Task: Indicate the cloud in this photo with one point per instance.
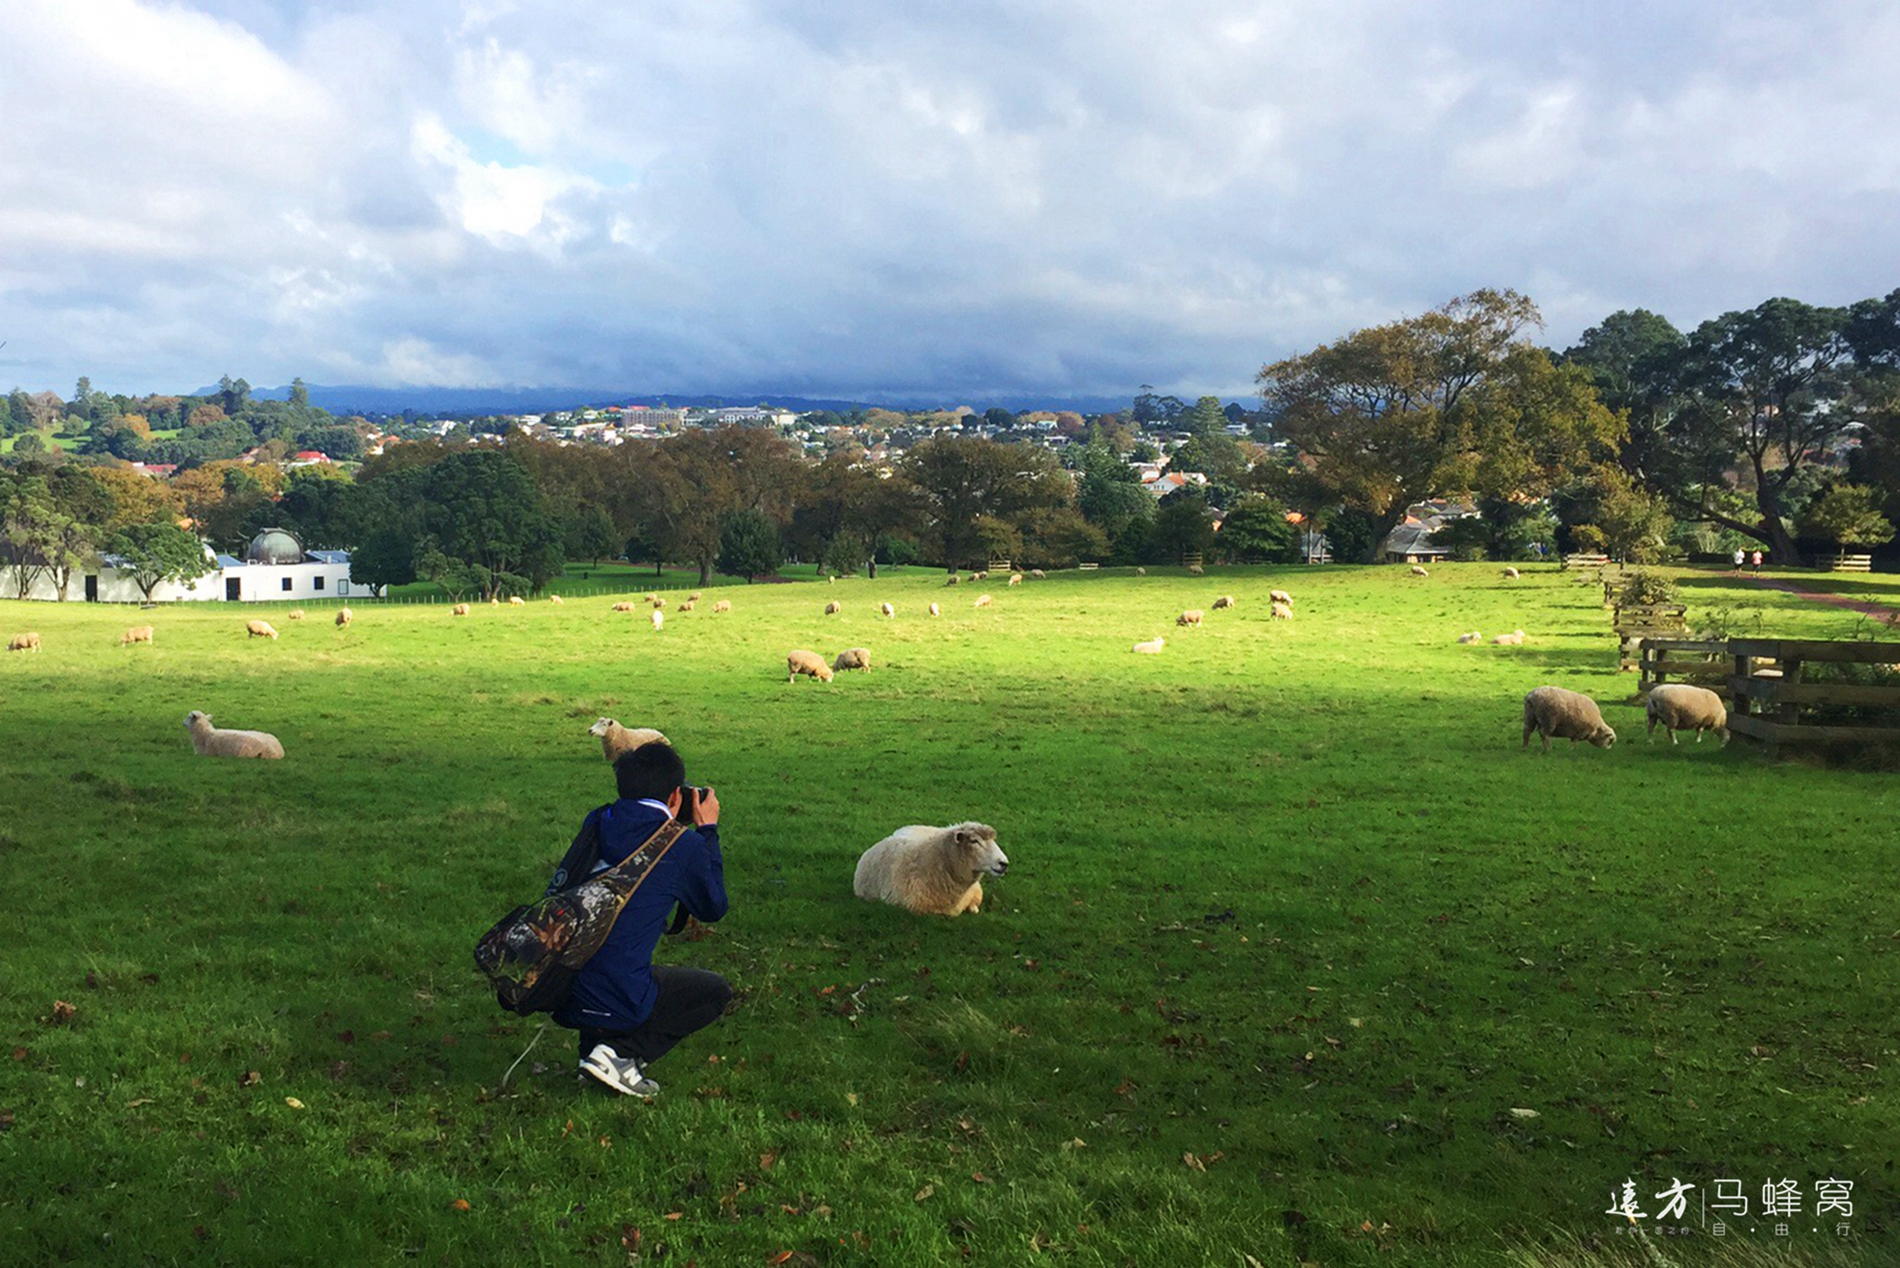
(942, 202)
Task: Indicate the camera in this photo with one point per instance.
(689, 801)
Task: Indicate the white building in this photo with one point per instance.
(275, 568)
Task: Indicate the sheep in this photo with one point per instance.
(1037, 574)
(1280, 612)
(344, 616)
(724, 605)
(1280, 596)
(1509, 574)
(833, 608)
(954, 580)
(650, 597)
(658, 603)
(616, 739)
(852, 658)
(804, 662)
(1566, 715)
(1195, 570)
(694, 597)
(137, 634)
(1015, 579)
(1419, 572)
(658, 617)
(460, 609)
(980, 576)
(935, 610)
(1192, 616)
(1514, 639)
(1225, 601)
(1150, 648)
(209, 741)
(623, 606)
(688, 606)
(885, 609)
(830, 579)
(983, 601)
(1141, 572)
(1473, 637)
(24, 643)
(260, 629)
(516, 601)
(554, 598)
(1680, 707)
(295, 614)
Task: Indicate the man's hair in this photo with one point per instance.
(652, 771)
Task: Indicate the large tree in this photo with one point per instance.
(159, 552)
(688, 482)
(963, 480)
(481, 512)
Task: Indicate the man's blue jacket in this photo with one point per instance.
(614, 990)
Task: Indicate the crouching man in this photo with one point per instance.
(630, 1011)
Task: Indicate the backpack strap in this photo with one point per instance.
(605, 896)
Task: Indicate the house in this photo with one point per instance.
(275, 568)
(1409, 542)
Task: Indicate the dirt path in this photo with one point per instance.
(1875, 610)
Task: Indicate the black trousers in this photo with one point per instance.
(688, 1000)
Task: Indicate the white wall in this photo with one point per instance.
(257, 583)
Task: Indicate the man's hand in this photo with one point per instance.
(706, 809)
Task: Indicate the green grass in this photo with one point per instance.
(1287, 898)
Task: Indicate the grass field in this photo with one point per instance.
(1293, 932)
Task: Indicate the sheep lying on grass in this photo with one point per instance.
(1150, 648)
(1190, 617)
(1680, 707)
(1509, 574)
(1473, 637)
(137, 634)
(460, 609)
(1514, 639)
(209, 741)
(344, 616)
(808, 663)
(931, 871)
(28, 642)
(1554, 713)
(852, 658)
(616, 739)
(260, 629)
(1225, 601)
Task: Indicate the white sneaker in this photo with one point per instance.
(623, 1075)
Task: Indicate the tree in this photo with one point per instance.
(299, 394)
(964, 479)
(591, 534)
(1255, 530)
(159, 552)
(481, 513)
(1182, 526)
(749, 545)
(29, 445)
(1633, 523)
(29, 530)
(1848, 515)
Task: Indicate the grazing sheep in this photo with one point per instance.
(1565, 715)
(260, 629)
(885, 609)
(460, 609)
(935, 610)
(1037, 574)
(25, 643)
(980, 576)
(344, 616)
(1150, 648)
(1141, 572)
(954, 580)
(688, 606)
(983, 601)
(554, 598)
(724, 605)
(1190, 617)
(1510, 574)
(1280, 596)
(651, 597)
(658, 603)
(694, 597)
(137, 634)
(1419, 572)
(808, 663)
(931, 871)
(1514, 639)
(1015, 579)
(1280, 612)
(833, 608)
(516, 601)
(616, 739)
(852, 658)
(831, 580)
(623, 606)
(295, 614)
(1195, 570)
(658, 617)
(1473, 637)
(209, 741)
(1680, 707)
(1225, 601)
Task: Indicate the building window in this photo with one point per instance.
(286, 583)
(316, 583)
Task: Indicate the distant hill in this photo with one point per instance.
(459, 401)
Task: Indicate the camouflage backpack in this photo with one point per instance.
(531, 955)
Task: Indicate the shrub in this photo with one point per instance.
(1643, 589)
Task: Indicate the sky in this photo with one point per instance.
(951, 201)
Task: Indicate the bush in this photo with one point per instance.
(1646, 589)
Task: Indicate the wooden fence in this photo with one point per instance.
(1852, 563)
(1767, 697)
(1580, 560)
(1638, 622)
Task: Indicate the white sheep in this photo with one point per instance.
(555, 598)
(694, 597)
(935, 610)
(1280, 612)
(1190, 617)
(1417, 571)
(808, 663)
(623, 606)
(28, 642)
(885, 609)
(1195, 570)
(651, 597)
(983, 601)
(295, 614)
(724, 605)
(1015, 579)
(852, 658)
(1514, 639)
(688, 606)
(516, 601)
(1141, 572)
(460, 609)
(260, 629)
(1280, 596)
(209, 741)
(833, 608)
(1681, 707)
(1150, 648)
(344, 616)
(954, 580)
(616, 739)
(1037, 574)
(1473, 637)
(137, 634)
(1510, 574)
(658, 603)
(658, 617)
(1552, 712)
(1225, 601)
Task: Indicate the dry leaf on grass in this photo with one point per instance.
(923, 1194)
